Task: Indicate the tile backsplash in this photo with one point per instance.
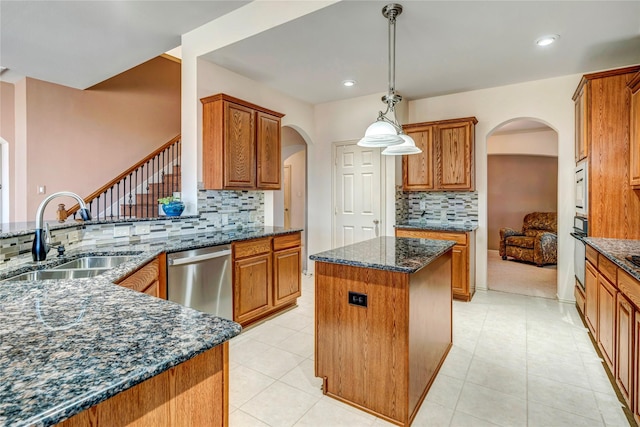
(226, 210)
(439, 206)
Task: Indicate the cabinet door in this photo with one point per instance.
(143, 278)
(268, 150)
(286, 275)
(454, 153)
(636, 367)
(591, 296)
(417, 169)
(251, 287)
(607, 320)
(459, 275)
(581, 122)
(634, 144)
(624, 348)
(239, 146)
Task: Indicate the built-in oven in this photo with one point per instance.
(580, 231)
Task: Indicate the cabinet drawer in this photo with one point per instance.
(580, 299)
(607, 268)
(629, 286)
(251, 248)
(460, 238)
(141, 279)
(592, 255)
(285, 242)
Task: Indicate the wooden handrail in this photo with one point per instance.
(114, 181)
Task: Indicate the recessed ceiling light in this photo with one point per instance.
(349, 83)
(547, 40)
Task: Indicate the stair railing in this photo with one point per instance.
(118, 199)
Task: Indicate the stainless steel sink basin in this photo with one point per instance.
(58, 274)
(96, 262)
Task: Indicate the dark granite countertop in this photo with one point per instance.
(66, 345)
(616, 250)
(437, 226)
(398, 254)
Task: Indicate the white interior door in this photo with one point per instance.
(287, 196)
(357, 194)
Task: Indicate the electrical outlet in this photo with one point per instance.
(359, 299)
(121, 231)
(143, 229)
(423, 204)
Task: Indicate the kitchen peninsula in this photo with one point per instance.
(383, 322)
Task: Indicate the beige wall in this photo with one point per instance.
(7, 134)
(297, 162)
(516, 186)
(77, 140)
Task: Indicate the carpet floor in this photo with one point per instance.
(520, 278)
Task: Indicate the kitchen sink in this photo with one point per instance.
(88, 262)
(58, 274)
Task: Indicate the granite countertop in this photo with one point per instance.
(437, 226)
(616, 250)
(398, 254)
(66, 345)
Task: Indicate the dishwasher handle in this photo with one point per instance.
(198, 258)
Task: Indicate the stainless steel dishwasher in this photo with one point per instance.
(201, 279)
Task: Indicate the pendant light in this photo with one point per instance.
(386, 131)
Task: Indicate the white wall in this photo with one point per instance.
(546, 100)
(536, 143)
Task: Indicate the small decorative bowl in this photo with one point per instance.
(173, 208)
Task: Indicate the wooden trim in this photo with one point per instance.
(114, 181)
(171, 58)
(604, 74)
(634, 83)
(162, 275)
(440, 122)
(225, 97)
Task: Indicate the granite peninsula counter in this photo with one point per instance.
(383, 322)
(67, 345)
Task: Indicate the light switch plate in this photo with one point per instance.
(423, 204)
(143, 229)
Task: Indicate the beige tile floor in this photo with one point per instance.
(516, 361)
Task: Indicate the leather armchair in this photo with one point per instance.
(536, 243)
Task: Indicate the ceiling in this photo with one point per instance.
(442, 47)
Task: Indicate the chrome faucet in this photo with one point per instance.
(40, 241)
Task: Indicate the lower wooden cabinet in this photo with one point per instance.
(463, 277)
(591, 295)
(266, 276)
(625, 315)
(147, 279)
(607, 320)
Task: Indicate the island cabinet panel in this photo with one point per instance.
(463, 265)
(447, 159)
(194, 393)
(241, 145)
(382, 357)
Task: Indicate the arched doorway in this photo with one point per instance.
(290, 202)
(522, 177)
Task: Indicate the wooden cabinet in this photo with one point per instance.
(591, 296)
(240, 145)
(462, 262)
(607, 320)
(252, 281)
(193, 393)
(266, 276)
(447, 159)
(634, 128)
(602, 105)
(147, 279)
(625, 314)
(581, 121)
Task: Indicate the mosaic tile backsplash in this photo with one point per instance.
(439, 206)
(218, 211)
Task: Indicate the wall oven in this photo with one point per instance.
(580, 230)
(582, 188)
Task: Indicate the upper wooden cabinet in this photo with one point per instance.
(634, 122)
(602, 124)
(447, 159)
(240, 145)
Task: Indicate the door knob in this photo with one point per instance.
(376, 222)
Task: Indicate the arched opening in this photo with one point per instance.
(522, 178)
(290, 202)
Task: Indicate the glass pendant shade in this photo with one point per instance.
(380, 134)
(407, 147)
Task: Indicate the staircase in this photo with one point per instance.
(135, 192)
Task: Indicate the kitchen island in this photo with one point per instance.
(383, 322)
